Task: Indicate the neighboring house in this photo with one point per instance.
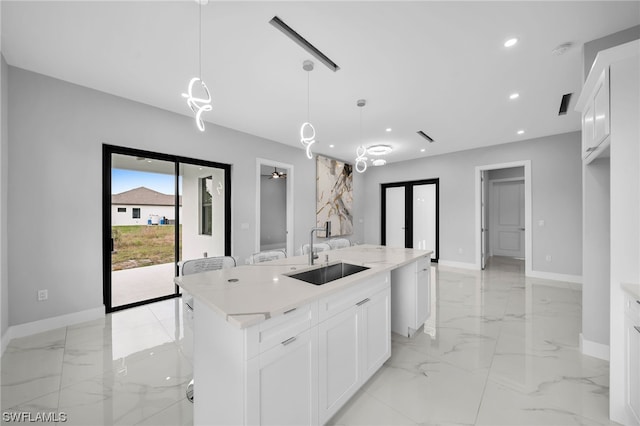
(143, 206)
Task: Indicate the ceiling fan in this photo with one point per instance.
(278, 175)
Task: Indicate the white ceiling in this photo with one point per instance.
(440, 67)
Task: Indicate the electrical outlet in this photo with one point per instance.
(548, 258)
(43, 295)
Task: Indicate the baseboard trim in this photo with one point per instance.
(461, 265)
(594, 349)
(34, 327)
(576, 279)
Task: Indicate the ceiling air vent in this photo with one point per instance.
(302, 42)
(424, 135)
(564, 103)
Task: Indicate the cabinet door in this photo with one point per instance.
(375, 332)
(282, 383)
(588, 124)
(339, 363)
(633, 367)
(601, 109)
(423, 290)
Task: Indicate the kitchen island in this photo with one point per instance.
(272, 349)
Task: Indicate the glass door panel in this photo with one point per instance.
(203, 194)
(143, 221)
(424, 217)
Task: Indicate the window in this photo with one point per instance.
(206, 205)
(135, 211)
(122, 209)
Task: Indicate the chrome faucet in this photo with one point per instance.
(327, 229)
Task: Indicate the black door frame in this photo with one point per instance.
(408, 211)
(107, 151)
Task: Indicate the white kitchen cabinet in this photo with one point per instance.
(353, 345)
(410, 288)
(282, 382)
(596, 118)
(632, 357)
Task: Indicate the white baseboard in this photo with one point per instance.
(576, 279)
(596, 350)
(34, 327)
(461, 265)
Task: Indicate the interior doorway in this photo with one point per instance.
(503, 212)
(274, 201)
(159, 209)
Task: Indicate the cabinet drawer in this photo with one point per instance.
(632, 308)
(336, 303)
(423, 265)
(278, 329)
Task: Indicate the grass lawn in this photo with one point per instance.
(142, 245)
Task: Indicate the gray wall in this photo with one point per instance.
(597, 251)
(592, 47)
(556, 172)
(56, 134)
(4, 184)
(273, 218)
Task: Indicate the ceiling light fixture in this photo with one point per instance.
(277, 175)
(379, 162)
(388, 129)
(302, 42)
(423, 150)
(361, 160)
(514, 96)
(199, 104)
(379, 149)
(331, 146)
(511, 42)
(520, 132)
(310, 137)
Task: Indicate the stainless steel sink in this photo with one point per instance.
(326, 274)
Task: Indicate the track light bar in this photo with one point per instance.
(302, 42)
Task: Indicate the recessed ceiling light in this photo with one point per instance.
(379, 149)
(514, 96)
(423, 150)
(388, 129)
(520, 132)
(331, 146)
(510, 42)
(148, 161)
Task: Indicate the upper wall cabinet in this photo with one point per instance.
(595, 115)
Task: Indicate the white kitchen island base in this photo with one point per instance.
(290, 365)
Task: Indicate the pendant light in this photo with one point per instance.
(361, 160)
(199, 104)
(307, 131)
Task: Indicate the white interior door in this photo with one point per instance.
(424, 217)
(507, 213)
(395, 217)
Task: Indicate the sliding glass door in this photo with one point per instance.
(158, 209)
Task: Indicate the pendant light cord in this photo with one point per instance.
(200, 39)
(308, 96)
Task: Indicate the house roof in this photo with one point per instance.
(144, 196)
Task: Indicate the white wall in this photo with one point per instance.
(126, 218)
(195, 245)
(56, 134)
(591, 48)
(556, 172)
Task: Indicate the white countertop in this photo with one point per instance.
(632, 289)
(249, 294)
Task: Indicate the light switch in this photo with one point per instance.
(541, 222)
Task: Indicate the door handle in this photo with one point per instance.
(362, 302)
(289, 340)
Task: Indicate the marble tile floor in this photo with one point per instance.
(502, 351)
